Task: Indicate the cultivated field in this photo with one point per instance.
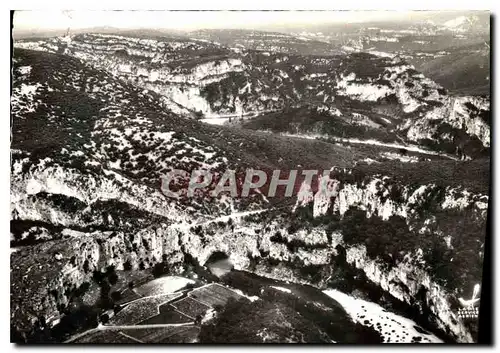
(140, 310)
(190, 307)
(168, 315)
(213, 294)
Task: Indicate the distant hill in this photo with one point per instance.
(204, 79)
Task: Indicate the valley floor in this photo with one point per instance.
(163, 318)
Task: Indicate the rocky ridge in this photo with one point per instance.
(87, 192)
(206, 80)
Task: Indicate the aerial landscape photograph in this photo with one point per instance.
(248, 177)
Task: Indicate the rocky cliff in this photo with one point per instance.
(88, 151)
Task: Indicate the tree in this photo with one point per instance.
(98, 276)
(116, 296)
(198, 114)
(84, 287)
(127, 266)
(113, 278)
(86, 267)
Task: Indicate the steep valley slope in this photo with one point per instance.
(89, 149)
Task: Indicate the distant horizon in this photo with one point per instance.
(185, 21)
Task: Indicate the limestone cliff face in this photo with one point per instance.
(404, 282)
(165, 70)
(78, 222)
(180, 86)
(374, 196)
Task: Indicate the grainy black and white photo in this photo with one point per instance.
(249, 176)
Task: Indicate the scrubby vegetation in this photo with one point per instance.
(281, 317)
(67, 115)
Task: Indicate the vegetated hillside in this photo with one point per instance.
(86, 195)
(265, 41)
(314, 121)
(87, 116)
(207, 80)
(71, 119)
(443, 49)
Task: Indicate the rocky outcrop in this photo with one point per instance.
(94, 188)
(87, 188)
(246, 240)
(404, 283)
(202, 79)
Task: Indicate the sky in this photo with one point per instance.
(189, 20)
